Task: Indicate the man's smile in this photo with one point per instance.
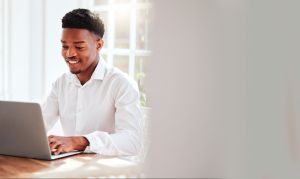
(72, 61)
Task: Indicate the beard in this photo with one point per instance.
(75, 72)
(74, 69)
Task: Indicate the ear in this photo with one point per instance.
(100, 44)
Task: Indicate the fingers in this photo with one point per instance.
(59, 144)
(52, 138)
(54, 144)
(60, 149)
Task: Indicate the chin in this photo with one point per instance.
(75, 72)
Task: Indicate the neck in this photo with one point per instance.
(86, 76)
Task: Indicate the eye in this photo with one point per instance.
(65, 47)
(79, 48)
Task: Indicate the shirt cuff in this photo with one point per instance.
(98, 143)
(90, 138)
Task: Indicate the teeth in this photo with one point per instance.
(73, 62)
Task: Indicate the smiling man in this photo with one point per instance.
(97, 105)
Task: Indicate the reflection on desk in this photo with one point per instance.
(78, 166)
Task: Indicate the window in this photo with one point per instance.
(126, 36)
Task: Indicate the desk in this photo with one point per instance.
(78, 166)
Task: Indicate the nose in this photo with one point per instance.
(71, 52)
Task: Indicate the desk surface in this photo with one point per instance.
(78, 166)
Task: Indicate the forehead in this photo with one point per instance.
(70, 35)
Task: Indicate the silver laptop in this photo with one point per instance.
(22, 131)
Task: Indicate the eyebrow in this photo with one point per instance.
(78, 42)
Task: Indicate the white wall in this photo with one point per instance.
(30, 46)
(54, 11)
(2, 49)
(17, 46)
(30, 58)
(21, 62)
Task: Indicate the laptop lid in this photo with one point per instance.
(22, 131)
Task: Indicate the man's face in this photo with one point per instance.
(80, 49)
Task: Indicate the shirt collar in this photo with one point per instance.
(98, 73)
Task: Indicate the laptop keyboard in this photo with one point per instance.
(65, 154)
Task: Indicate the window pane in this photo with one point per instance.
(121, 62)
(139, 76)
(103, 56)
(122, 28)
(100, 2)
(104, 17)
(142, 29)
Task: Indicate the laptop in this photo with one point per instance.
(23, 133)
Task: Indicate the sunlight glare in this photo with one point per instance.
(115, 162)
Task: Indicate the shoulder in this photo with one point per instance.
(121, 83)
(62, 80)
(120, 79)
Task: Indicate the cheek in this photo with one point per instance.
(88, 54)
(63, 53)
(83, 55)
(94, 52)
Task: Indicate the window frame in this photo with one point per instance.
(132, 52)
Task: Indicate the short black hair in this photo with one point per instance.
(84, 19)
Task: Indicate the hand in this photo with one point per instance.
(59, 144)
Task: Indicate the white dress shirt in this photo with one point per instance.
(106, 110)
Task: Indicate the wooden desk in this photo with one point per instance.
(78, 166)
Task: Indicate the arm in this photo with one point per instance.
(127, 137)
(128, 117)
(50, 108)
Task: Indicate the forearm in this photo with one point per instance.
(122, 143)
(80, 143)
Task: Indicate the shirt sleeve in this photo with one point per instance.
(50, 108)
(127, 138)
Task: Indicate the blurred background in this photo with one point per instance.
(221, 77)
(30, 32)
(224, 89)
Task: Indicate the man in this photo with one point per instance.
(98, 106)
